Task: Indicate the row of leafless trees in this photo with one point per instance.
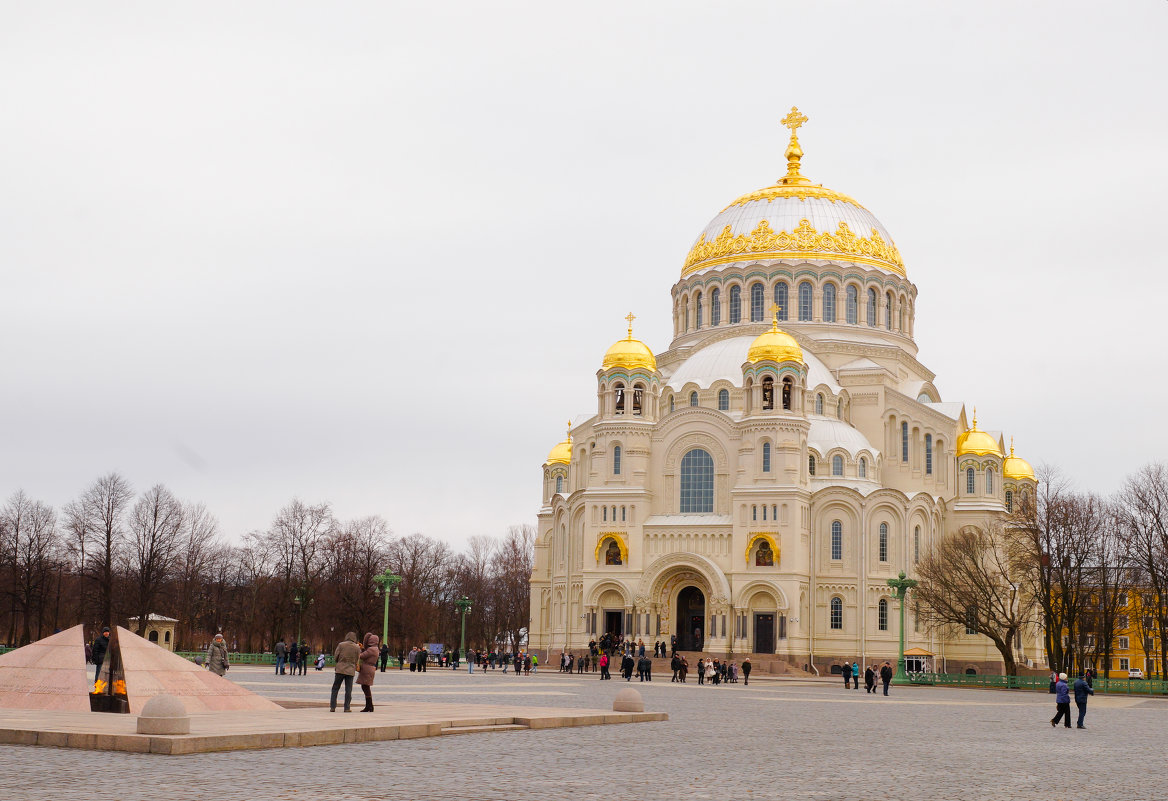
(111, 555)
(1082, 568)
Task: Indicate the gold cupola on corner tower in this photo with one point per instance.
(629, 353)
(977, 442)
(1017, 468)
(775, 345)
(562, 453)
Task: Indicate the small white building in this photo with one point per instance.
(159, 629)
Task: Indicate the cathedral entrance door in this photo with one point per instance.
(612, 621)
(764, 634)
(691, 619)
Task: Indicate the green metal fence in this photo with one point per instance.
(1039, 683)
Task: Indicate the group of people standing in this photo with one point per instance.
(293, 655)
(872, 673)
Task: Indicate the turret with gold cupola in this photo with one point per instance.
(628, 384)
(556, 470)
(1019, 481)
(979, 467)
(774, 375)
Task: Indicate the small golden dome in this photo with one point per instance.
(977, 442)
(776, 345)
(1016, 467)
(629, 353)
(562, 453)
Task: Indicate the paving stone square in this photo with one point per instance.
(772, 740)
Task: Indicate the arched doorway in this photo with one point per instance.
(691, 619)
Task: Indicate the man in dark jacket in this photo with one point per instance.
(869, 679)
(675, 665)
(384, 656)
(304, 657)
(886, 676)
(100, 646)
(1082, 690)
(746, 671)
(627, 666)
(847, 671)
(281, 654)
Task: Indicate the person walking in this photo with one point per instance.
(886, 676)
(1062, 701)
(281, 655)
(847, 673)
(217, 656)
(384, 656)
(345, 657)
(675, 665)
(856, 675)
(869, 679)
(604, 674)
(401, 659)
(370, 655)
(1082, 690)
(746, 671)
(100, 649)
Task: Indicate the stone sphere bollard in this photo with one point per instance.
(628, 700)
(164, 714)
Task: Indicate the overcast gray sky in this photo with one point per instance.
(372, 253)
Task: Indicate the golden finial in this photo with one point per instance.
(794, 153)
(1011, 446)
(974, 419)
(775, 309)
(630, 318)
(569, 430)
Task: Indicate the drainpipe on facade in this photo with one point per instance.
(862, 610)
(811, 596)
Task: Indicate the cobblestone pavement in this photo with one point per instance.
(771, 740)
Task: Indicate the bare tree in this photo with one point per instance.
(511, 576)
(973, 579)
(100, 514)
(198, 550)
(1111, 582)
(1144, 508)
(355, 554)
(156, 524)
(295, 540)
(426, 593)
(32, 533)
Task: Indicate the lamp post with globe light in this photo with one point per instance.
(902, 585)
(387, 584)
(463, 604)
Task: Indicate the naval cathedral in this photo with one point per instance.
(752, 489)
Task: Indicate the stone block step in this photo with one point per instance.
(481, 729)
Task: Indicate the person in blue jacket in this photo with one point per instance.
(1082, 690)
(1062, 701)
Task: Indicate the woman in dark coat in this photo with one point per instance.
(369, 658)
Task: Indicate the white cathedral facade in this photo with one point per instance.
(751, 489)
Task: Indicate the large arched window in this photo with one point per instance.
(872, 307)
(735, 304)
(805, 301)
(788, 387)
(1010, 501)
(685, 315)
(698, 310)
(723, 400)
(829, 303)
(757, 295)
(837, 540)
(672, 403)
(781, 299)
(837, 465)
(616, 460)
(619, 390)
(916, 544)
(716, 307)
(766, 462)
(928, 454)
(693, 399)
(882, 615)
(970, 481)
(989, 481)
(852, 304)
(904, 442)
(888, 313)
(638, 398)
(883, 542)
(811, 465)
(837, 613)
(697, 482)
(559, 484)
(863, 467)
(768, 393)
(819, 403)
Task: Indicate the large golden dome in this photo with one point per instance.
(629, 353)
(776, 345)
(977, 442)
(794, 219)
(1016, 467)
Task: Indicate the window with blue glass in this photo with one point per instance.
(888, 313)
(693, 399)
(928, 454)
(837, 540)
(829, 303)
(989, 482)
(766, 457)
(882, 615)
(805, 301)
(819, 403)
(559, 483)
(716, 307)
(735, 304)
(837, 465)
(904, 442)
(883, 542)
(757, 294)
(723, 400)
(698, 310)
(970, 481)
(872, 307)
(616, 460)
(863, 467)
(853, 305)
(697, 482)
(781, 299)
(837, 613)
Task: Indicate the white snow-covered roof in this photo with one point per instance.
(862, 363)
(827, 433)
(951, 409)
(722, 361)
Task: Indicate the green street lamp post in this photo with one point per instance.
(300, 599)
(386, 585)
(463, 605)
(902, 585)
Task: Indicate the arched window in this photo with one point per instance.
(697, 482)
(837, 613)
(638, 398)
(837, 465)
(863, 467)
(757, 294)
(698, 310)
(153, 636)
(928, 454)
(970, 481)
(1010, 501)
(781, 299)
(811, 465)
(904, 442)
(604, 513)
(766, 457)
(559, 484)
(805, 301)
(685, 315)
(788, 386)
(754, 512)
(616, 460)
(901, 328)
(768, 393)
(916, 544)
(735, 304)
(989, 481)
(619, 390)
(888, 312)
(622, 514)
(882, 615)
(852, 310)
(839, 409)
(872, 307)
(829, 303)
(883, 542)
(716, 307)
(672, 403)
(819, 403)
(723, 400)
(693, 399)
(837, 540)
(166, 637)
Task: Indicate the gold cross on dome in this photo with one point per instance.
(775, 309)
(630, 318)
(794, 119)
